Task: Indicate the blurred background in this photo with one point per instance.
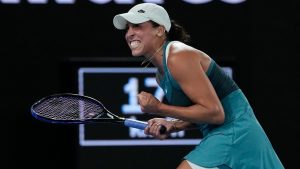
(42, 42)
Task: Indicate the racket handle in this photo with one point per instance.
(141, 125)
(135, 124)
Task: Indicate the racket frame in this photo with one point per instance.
(113, 117)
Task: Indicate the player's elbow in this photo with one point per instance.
(218, 115)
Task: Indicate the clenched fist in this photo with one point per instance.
(149, 103)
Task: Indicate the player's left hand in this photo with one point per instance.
(149, 103)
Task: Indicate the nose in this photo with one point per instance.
(129, 32)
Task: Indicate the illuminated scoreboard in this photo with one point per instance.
(117, 89)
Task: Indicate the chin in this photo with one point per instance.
(136, 54)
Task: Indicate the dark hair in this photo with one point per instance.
(177, 32)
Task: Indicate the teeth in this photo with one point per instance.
(134, 44)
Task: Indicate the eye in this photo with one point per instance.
(131, 25)
(135, 25)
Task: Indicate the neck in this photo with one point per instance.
(151, 58)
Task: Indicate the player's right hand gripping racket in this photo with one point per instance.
(68, 108)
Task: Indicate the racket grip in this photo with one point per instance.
(141, 125)
(135, 124)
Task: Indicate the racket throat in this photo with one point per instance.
(115, 117)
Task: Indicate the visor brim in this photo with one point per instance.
(120, 21)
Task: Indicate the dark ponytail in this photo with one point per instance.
(178, 33)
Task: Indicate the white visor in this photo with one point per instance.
(120, 21)
(142, 13)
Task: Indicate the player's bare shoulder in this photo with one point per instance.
(180, 53)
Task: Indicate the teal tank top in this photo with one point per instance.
(240, 142)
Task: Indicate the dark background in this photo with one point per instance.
(36, 42)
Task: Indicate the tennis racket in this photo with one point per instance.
(68, 108)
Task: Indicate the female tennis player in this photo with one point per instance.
(200, 95)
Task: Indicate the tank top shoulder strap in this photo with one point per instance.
(211, 65)
(165, 60)
(168, 45)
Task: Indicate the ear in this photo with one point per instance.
(160, 31)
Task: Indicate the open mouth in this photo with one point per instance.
(134, 44)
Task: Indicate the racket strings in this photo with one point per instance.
(69, 108)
